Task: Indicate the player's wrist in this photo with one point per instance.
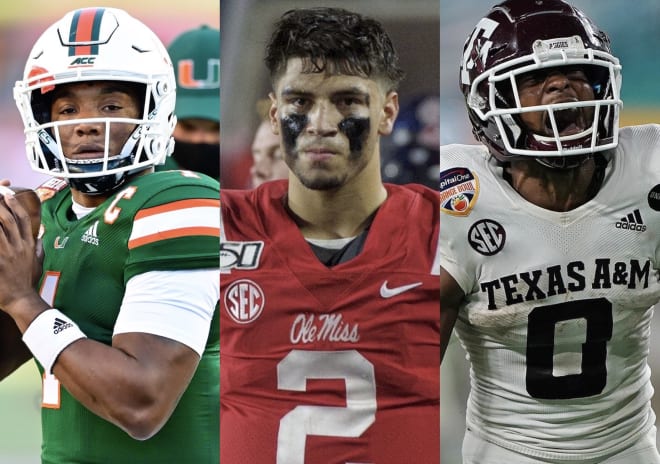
(49, 334)
(24, 308)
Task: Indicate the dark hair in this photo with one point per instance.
(333, 40)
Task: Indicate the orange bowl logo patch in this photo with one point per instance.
(459, 189)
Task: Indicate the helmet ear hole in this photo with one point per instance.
(504, 93)
(41, 104)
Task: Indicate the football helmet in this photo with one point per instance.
(523, 36)
(98, 44)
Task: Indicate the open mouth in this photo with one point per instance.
(569, 121)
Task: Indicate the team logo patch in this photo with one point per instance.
(487, 237)
(654, 198)
(244, 301)
(459, 189)
(49, 188)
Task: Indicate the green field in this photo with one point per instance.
(20, 429)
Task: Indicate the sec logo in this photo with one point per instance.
(487, 237)
(244, 301)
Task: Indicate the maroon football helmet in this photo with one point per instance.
(522, 36)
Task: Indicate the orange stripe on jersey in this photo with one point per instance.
(175, 233)
(176, 205)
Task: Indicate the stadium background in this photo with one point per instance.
(634, 34)
(20, 25)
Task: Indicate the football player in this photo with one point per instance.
(195, 55)
(329, 284)
(550, 244)
(267, 159)
(124, 327)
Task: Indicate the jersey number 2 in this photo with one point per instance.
(349, 421)
(543, 320)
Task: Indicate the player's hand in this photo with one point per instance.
(38, 263)
(18, 256)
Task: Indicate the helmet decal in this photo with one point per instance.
(84, 32)
(476, 42)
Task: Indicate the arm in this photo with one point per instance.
(451, 296)
(136, 383)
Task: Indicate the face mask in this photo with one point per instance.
(198, 157)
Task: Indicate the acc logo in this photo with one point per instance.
(487, 237)
(83, 61)
(459, 189)
(240, 255)
(244, 301)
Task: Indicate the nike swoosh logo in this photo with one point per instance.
(387, 292)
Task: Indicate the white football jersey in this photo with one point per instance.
(558, 304)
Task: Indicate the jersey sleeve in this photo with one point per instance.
(459, 190)
(176, 228)
(176, 305)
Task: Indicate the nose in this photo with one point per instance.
(323, 119)
(83, 127)
(557, 81)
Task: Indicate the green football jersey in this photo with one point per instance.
(156, 222)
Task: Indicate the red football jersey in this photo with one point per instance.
(329, 365)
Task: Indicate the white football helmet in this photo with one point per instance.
(98, 44)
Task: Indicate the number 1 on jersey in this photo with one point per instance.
(50, 386)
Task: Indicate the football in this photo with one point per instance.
(29, 199)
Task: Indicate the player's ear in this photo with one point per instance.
(272, 114)
(389, 113)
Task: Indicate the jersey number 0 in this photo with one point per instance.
(596, 315)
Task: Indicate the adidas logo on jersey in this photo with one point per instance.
(60, 325)
(633, 221)
(90, 235)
